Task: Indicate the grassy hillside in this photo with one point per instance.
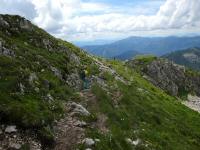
(144, 112)
(39, 74)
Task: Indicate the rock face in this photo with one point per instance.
(166, 75)
(172, 78)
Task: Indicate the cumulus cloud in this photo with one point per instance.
(78, 20)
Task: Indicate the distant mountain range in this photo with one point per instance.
(188, 57)
(143, 45)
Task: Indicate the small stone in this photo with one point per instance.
(37, 90)
(49, 97)
(89, 142)
(10, 129)
(32, 78)
(136, 142)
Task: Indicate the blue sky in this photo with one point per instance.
(90, 20)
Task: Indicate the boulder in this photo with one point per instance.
(10, 129)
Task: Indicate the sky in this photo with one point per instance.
(90, 20)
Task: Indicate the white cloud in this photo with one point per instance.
(78, 20)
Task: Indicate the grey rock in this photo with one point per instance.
(73, 80)
(5, 51)
(10, 129)
(32, 78)
(47, 44)
(89, 142)
(37, 89)
(22, 88)
(79, 109)
(26, 25)
(56, 72)
(49, 97)
(80, 123)
(75, 59)
(133, 142)
(136, 142)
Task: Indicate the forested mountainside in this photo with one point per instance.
(43, 104)
(143, 45)
(189, 57)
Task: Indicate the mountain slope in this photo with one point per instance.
(155, 45)
(42, 102)
(188, 57)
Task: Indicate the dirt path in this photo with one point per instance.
(69, 131)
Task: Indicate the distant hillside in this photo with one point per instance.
(127, 55)
(188, 57)
(146, 45)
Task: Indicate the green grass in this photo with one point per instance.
(159, 120)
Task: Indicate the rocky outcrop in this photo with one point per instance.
(15, 24)
(174, 79)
